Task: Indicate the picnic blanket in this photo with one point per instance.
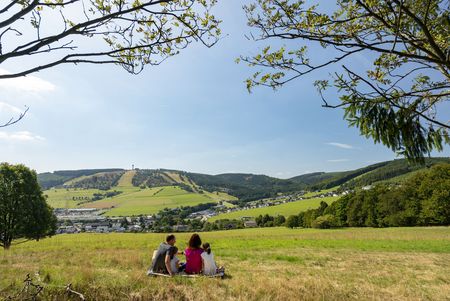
(183, 274)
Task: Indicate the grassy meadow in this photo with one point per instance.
(134, 200)
(262, 264)
(316, 193)
(149, 201)
(283, 209)
(63, 198)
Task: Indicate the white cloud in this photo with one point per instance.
(9, 108)
(338, 160)
(24, 136)
(28, 83)
(340, 145)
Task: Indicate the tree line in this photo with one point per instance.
(422, 200)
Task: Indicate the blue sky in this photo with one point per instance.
(191, 113)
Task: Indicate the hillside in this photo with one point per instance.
(148, 201)
(284, 209)
(248, 187)
(115, 193)
(383, 171)
(132, 192)
(53, 179)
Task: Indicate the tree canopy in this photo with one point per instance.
(399, 100)
(42, 34)
(24, 213)
(422, 200)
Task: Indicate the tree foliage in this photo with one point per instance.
(42, 34)
(397, 101)
(24, 213)
(423, 200)
(102, 181)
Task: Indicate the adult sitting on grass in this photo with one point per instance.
(161, 260)
(194, 255)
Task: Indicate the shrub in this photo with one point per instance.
(324, 222)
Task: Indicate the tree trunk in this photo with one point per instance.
(6, 245)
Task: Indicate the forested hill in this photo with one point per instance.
(394, 171)
(59, 177)
(244, 186)
(249, 186)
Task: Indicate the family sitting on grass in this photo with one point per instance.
(199, 259)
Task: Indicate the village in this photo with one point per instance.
(93, 220)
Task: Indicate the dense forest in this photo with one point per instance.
(57, 178)
(246, 187)
(422, 200)
(102, 181)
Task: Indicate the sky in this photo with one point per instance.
(192, 113)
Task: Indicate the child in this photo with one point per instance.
(174, 261)
(209, 265)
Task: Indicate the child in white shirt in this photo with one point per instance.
(209, 264)
(174, 261)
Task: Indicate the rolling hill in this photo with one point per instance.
(57, 178)
(114, 191)
(145, 191)
(284, 209)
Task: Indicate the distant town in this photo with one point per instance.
(93, 220)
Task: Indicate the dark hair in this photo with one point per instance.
(170, 237)
(207, 247)
(195, 242)
(172, 252)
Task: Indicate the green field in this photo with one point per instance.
(134, 200)
(262, 264)
(149, 200)
(63, 198)
(316, 193)
(126, 179)
(284, 209)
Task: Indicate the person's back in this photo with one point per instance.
(193, 255)
(161, 260)
(159, 263)
(193, 260)
(209, 264)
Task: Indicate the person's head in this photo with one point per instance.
(207, 247)
(170, 239)
(195, 242)
(172, 252)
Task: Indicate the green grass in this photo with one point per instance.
(133, 200)
(220, 196)
(284, 209)
(313, 193)
(400, 178)
(149, 201)
(126, 179)
(262, 264)
(63, 198)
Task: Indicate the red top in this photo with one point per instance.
(193, 260)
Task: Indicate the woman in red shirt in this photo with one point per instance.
(193, 255)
